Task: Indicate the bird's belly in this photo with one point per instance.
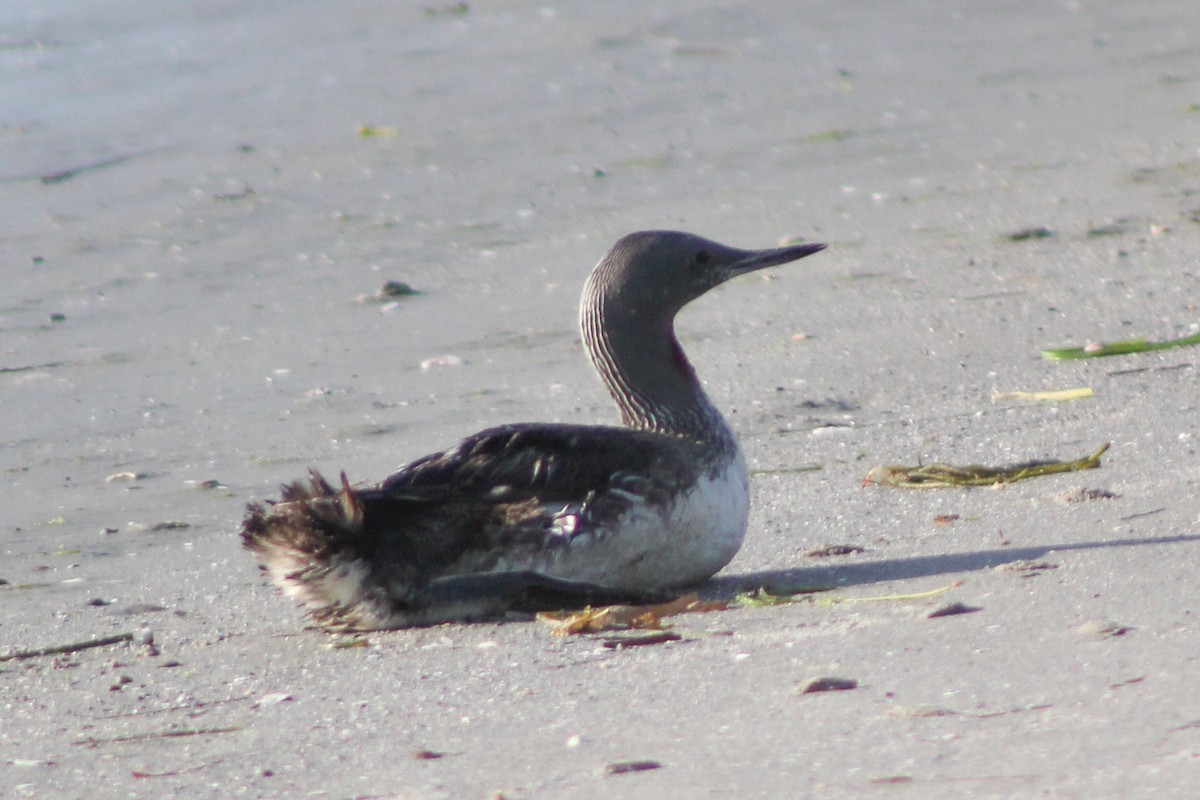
(660, 545)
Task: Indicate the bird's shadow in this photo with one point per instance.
(787, 581)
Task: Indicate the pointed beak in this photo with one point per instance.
(761, 259)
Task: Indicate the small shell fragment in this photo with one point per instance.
(274, 699)
(442, 361)
(1026, 234)
(427, 755)
(1102, 629)
(623, 767)
(627, 640)
(1025, 567)
(835, 550)
(119, 477)
(388, 293)
(1082, 495)
(828, 684)
(952, 609)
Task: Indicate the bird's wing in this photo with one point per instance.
(549, 463)
(519, 488)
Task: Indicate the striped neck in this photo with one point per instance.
(644, 368)
(627, 314)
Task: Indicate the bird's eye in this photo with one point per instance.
(702, 257)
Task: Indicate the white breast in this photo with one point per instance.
(709, 525)
(679, 543)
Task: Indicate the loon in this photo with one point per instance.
(534, 516)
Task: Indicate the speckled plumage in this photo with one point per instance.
(531, 516)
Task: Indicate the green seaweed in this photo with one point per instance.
(942, 476)
(1123, 347)
(762, 596)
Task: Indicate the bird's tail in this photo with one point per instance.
(312, 546)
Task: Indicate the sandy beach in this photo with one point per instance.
(201, 199)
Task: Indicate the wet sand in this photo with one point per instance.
(196, 197)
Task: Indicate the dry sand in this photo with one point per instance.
(182, 307)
